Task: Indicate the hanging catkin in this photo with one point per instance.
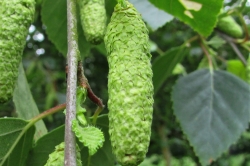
(130, 85)
(93, 19)
(15, 19)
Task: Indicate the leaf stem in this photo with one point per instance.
(246, 47)
(192, 39)
(97, 112)
(164, 144)
(159, 51)
(72, 58)
(89, 160)
(207, 54)
(48, 112)
(245, 28)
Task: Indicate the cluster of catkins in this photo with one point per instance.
(130, 85)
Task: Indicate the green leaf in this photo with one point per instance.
(54, 16)
(179, 69)
(21, 97)
(103, 155)
(15, 141)
(45, 146)
(213, 110)
(90, 136)
(154, 17)
(80, 98)
(201, 15)
(203, 63)
(237, 68)
(216, 42)
(101, 48)
(163, 65)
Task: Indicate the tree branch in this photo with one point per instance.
(83, 82)
(48, 112)
(164, 144)
(207, 54)
(72, 57)
(234, 47)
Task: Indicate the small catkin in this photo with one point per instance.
(130, 85)
(93, 19)
(15, 19)
(229, 26)
(56, 158)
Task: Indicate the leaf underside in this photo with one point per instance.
(27, 111)
(152, 15)
(213, 110)
(14, 144)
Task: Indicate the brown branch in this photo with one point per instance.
(49, 112)
(83, 82)
(245, 28)
(164, 142)
(207, 54)
(234, 47)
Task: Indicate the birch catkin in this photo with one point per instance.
(229, 26)
(15, 19)
(56, 158)
(130, 85)
(93, 19)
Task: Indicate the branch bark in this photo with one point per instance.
(72, 57)
(235, 48)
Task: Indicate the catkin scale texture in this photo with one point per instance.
(130, 85)
(15, 18)
(56, 158)
(93, 19)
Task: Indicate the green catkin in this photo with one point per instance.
(93, 19)
(229, 26)
(56, 158)
(15, 19)
(130, 85)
